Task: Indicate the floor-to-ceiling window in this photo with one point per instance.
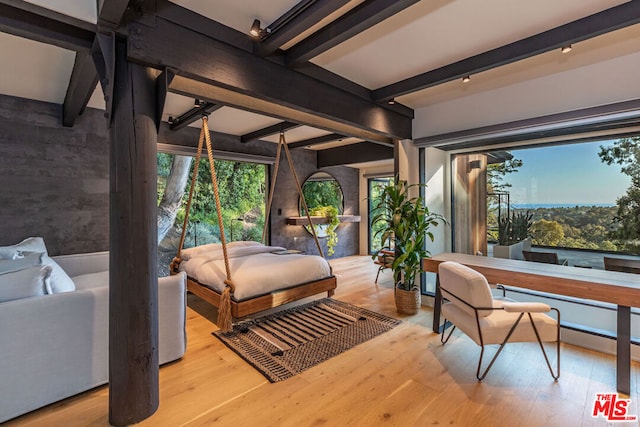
(242, 189)
(374, 190)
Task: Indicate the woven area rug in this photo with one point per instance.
(286, 343)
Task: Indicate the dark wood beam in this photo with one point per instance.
(33, 22)
(357, 20)
(282, 33)
(249, 82)
(317, 140)
(133, 261)
(354, 153)
(603, 22)
(84, 79)
(111, 12)
(193, 115)
(270, 130)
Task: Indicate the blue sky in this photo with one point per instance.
(566, 174)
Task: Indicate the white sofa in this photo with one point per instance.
(54, 346)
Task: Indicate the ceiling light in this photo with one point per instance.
(392, 101)
(566, 49)
(255, 30)
(466, 79)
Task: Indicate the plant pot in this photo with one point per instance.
(512, 251)
(407, 302)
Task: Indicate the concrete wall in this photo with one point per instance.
(285, 204)
(55, 180)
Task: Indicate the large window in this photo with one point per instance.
(242, 189)
(375, 186)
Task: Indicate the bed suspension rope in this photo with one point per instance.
(282, 143)
(224, 309)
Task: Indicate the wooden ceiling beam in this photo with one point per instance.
(357, 20)
(34, 22)
(268, 131)
(594, 25)
(84, 79)
(317, 140)
(279, 34)
(193, 115)
(354, 153)
(249, 82)
(111, 12)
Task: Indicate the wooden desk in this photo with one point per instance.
(622, 289)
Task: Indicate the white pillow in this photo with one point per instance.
(30, 244)
(29, 259)
(60, 280)
(189, 253)
(25, 283)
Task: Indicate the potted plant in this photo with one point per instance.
(513, 235)
(407, 223)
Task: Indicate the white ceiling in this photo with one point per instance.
(425, 36)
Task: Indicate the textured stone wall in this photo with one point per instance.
(55, 180)
(285, 204)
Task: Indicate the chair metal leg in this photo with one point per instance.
(379, 270)
(495, 356)
(544, 353)
(444, 340)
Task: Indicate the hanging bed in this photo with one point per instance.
(263, 276)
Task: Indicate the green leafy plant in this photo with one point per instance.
(515, 228)
(331, 213)
(407, 223)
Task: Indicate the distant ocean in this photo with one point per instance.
(558, 205)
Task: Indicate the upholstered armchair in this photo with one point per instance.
(469, 306)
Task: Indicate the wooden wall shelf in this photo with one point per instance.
(302, 220)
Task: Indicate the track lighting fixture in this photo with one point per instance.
(255, 30)
(566, 49)
(466, 79)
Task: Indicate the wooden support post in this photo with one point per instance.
(133, 279)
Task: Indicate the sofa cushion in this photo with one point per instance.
(29, 259)
(91, 280)
(25, 283)
(30, 244)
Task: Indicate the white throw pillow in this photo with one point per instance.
(25, 283)
(29, 259)
(60, 280)
(30, 244)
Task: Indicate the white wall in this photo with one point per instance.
(438, 196)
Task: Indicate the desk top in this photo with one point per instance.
(599, 285)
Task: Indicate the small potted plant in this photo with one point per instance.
(407, 223)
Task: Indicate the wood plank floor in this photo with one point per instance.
(402, 378)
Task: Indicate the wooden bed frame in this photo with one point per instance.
(264, 302)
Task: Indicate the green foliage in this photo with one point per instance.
(497, 172)
(407, 223)
(331, 213)
(375, 195)
(515, 228)
(547, 233)
(626, 153)
(242, 188)
(322, 193)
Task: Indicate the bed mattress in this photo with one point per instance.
(256, 269)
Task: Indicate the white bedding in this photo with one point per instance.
(255, 268)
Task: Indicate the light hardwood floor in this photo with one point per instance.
(402, 378)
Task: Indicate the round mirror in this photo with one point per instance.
(324, 197)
